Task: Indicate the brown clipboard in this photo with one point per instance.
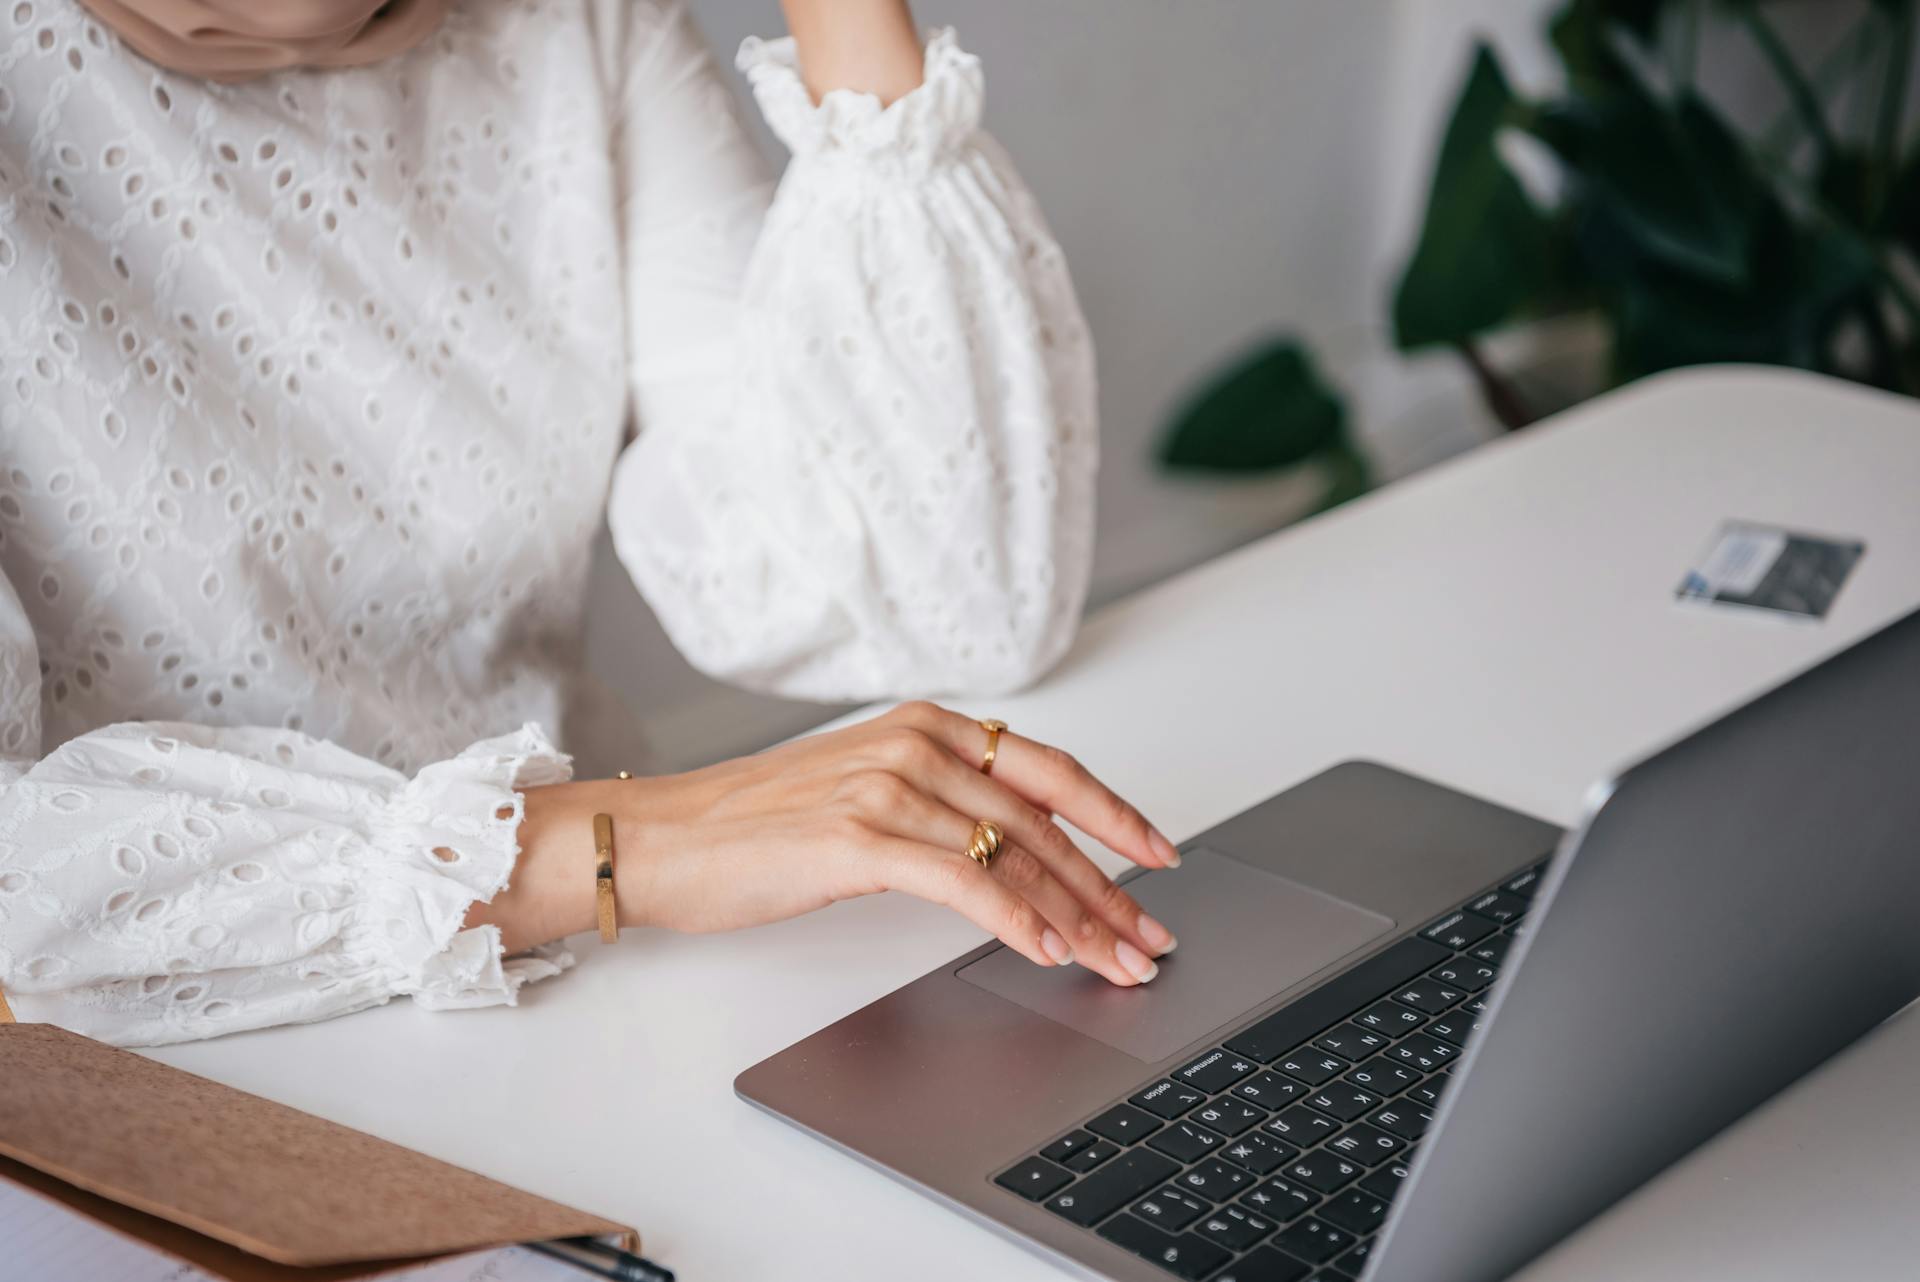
(240, 1187)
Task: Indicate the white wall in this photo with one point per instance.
(1217, 170)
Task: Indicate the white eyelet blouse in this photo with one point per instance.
(312, 396)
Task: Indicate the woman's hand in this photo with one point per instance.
(889, 804)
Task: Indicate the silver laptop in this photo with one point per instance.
(1399, 1041)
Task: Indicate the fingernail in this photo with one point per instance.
(1158, 937)
(1163, 848)
(1056, 947)
(1137, 963)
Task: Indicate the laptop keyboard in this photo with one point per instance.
(1274, 1156)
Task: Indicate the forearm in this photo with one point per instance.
(868, 46)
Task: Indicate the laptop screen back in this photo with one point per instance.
(1740, 908)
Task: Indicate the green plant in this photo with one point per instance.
(1269, 410)
(1691, 242)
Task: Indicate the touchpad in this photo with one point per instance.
(1245, 934)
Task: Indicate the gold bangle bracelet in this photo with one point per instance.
(603, 878)
(606, 908)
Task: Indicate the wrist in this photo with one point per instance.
(636, 863)
(868, 46)
(552, 892)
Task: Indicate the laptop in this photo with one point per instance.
(1410, 1035)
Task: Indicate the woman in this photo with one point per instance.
(316, 347)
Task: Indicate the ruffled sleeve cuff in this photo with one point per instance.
(938, 118)
(450, 837)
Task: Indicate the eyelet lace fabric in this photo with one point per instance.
(313, 392)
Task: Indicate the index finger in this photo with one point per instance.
(1053, 780)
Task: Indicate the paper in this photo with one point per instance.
(43, 1241)
(1738, 560)
(510, 1265)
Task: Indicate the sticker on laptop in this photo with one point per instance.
(1763, 567)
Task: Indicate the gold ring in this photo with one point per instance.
(993, 729)
(985, 844)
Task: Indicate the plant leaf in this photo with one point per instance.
(1676, 181)
(1582, 33)
(1846, 182)
(1270, 409)
(1484, 249)
(1786, 316)
(1348, 476)
(1830, 273)
(1903, 207)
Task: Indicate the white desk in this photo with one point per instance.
(1503, 623)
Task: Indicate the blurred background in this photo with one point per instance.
(1294, 298)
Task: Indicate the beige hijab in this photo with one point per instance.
(240, 39)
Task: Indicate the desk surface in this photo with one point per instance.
(1504, 623)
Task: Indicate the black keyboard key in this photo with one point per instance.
(1281, 1199)
(1300, 1125)
(1355, 1261)
(1502, 906)
(1465, 973)
(1183, 1255)
(1067, 1145)
(1321, 1171)
(1390, 1018)
(1492, 950)
(1215, 1071)
(1334, 1000)
(1259, 1153)
(1458, 929)
(1034, 1179)
(1403, 1118)
(1185, 1141)
(1085, 1159)
(1169, 1208)
(1356, 1212)
(1343, 1101)
(1312, 1066)
(1313, 1240)
(1429, 996)
(1167, 1100)
(1228, 1115)
(1334, 1273)
(1234, 1228)
(1270, 1090)
(1428, 1054)
(1526, 883)
(1264, 1264)
(1123, 1124)
(1367, 1145)
(1118, 1183)
(1387, 1182)
(1213, 1180)
(1452, 1028)
(1382, 1076)
(1428, 1092)
(1352, 1041)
